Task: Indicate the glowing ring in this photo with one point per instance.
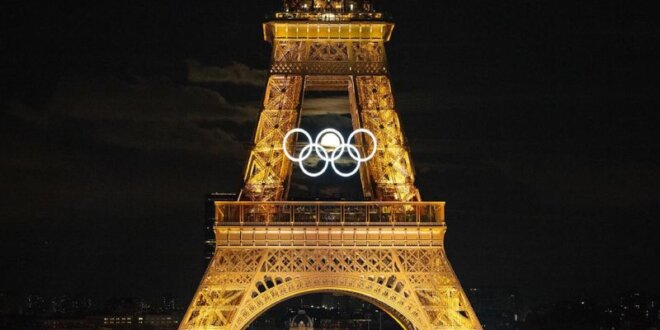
(373, 150)
(357, 165)
(302, 154)
(315, 146)
(302, 164)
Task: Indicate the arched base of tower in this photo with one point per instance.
(325, 310)
(416, 287)
(354, 286)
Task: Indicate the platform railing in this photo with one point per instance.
(329, 16)
(329, 213)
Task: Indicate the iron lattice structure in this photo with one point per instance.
(388, 250)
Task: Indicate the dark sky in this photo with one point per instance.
(535, 120)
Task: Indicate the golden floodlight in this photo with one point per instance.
(387, 249)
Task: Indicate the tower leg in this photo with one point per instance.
(267, 167)
(391, 169)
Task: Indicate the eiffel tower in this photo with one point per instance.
(387, 249)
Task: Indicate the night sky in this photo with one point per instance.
(534, 120)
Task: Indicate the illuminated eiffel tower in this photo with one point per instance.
(387, 249)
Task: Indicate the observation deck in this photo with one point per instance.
(324, 223)
(328, 37)
(328, 16)
(329, 10)
(321, 213)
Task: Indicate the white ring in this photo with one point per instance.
(284, 146)
(357, 165)
(373, 138)
(317, 143)
(302, 165)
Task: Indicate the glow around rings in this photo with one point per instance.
(327, 157)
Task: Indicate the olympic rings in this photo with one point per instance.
(329, 157)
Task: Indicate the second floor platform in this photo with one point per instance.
(329, 213)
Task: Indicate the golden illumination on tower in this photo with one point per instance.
(387, 250)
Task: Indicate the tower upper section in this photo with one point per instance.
(329, 10)
(328, 20)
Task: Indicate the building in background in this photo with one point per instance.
(302, 321)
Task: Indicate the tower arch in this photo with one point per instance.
(390, 302)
